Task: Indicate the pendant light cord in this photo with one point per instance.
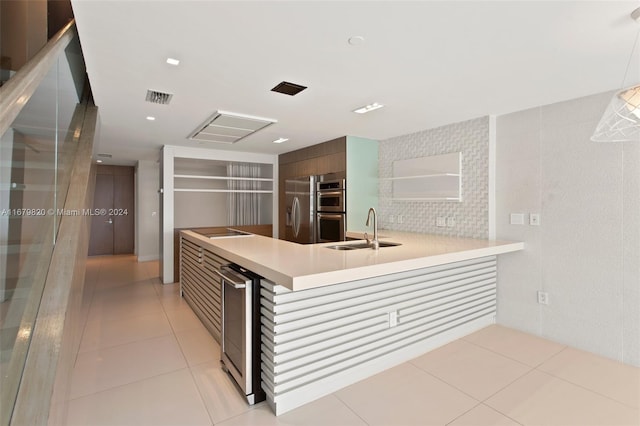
(633, 49)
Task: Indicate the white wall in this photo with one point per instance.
(586, 251)
(197, 209)
(147, 211)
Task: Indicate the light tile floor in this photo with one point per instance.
(145, 359)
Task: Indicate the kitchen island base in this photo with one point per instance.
(317, 341)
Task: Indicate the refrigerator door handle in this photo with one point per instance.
(296, 216)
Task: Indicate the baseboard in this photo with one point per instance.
(148, 258)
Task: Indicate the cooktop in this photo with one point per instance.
(224, 233)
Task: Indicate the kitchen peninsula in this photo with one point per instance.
(333, 317)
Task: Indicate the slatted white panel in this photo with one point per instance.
(200, 286)
(317, 341)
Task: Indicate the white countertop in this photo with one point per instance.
(305, 266)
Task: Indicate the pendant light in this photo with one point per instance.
(621, 119)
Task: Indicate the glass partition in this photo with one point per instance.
(36, 153)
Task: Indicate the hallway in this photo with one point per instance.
(145, 359)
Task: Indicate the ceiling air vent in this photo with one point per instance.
(229, 127)
(105, 155)
(287, 88)
(156, 97)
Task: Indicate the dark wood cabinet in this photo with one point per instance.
(324, 158)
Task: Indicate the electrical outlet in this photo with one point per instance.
(400, 219)
(451, 222)
(441, 222)
(393, 318)
(534, 219)
(543, 297)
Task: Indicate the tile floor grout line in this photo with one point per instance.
(86, 317)
(484, 405)
(251, 408)
(123, 343)
(126, 384)
(443, 381)
(531, 369)
(348, 406)
(134, 381)
(514, 359)
(129, 343)
(204, 404)
(164, 311)
(587, 389)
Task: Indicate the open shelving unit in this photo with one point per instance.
(181, 179)
(198, 186)
(433, 178)
(187, 179)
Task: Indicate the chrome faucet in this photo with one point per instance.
(375, 244)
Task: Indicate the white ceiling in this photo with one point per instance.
(430, 62)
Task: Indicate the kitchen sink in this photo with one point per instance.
(361, 245)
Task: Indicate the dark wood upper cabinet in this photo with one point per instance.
(357, 158)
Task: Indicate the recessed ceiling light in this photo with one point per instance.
(98, 161)
(280, 140)
(150, 118)
(173, 61)
(368, 108)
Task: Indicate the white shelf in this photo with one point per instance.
(246, 191)
(223, 178)
(433, 178)
(425, 199)
(422, 176)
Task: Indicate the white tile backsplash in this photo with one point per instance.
(471, 215)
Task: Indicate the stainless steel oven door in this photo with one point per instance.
(331, 227)
(330, 201)
(237, 317)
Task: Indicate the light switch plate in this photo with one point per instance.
(543, 297)
(441, 222)
(451, 222)
(517, 219)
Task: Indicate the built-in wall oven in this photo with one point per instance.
(331, 227)
(331, 209)
(240, 352)
(330, 196)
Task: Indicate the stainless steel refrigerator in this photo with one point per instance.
(300, 209)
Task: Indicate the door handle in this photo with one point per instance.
(296, 217)
(230, 281)
(110, 221)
